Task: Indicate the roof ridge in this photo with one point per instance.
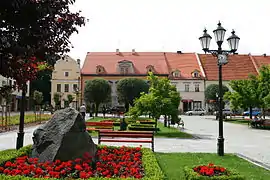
(254, 63)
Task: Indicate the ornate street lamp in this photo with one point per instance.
(222, 59)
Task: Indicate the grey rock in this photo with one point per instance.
(63, 137)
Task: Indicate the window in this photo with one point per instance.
(187, 87)
(66, 87)
(58, 88)
(196, 74)
(176, 73)
(197, 87)
(124, 70)
(197, 105)
(75, 87)
(3, 83)
(66, 74)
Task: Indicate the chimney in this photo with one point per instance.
(133, 52)
(179, 52)
(117, 51)
(264, 55)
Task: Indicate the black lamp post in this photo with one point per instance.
(222, 59)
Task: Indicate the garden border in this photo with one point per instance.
(150, 164)
(190, 174)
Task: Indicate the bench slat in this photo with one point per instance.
(127, 132)
(126, 140)
(126, 135)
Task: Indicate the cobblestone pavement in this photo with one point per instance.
(252, 143)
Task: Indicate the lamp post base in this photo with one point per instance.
(220, 146)
(20, 140)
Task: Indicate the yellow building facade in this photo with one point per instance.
(66, 81)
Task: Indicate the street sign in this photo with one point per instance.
(222, 59)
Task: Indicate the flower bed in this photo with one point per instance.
(124, 162)
(211, 171)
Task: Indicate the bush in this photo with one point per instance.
(149, 162)
(190, 174)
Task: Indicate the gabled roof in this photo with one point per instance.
(110, 62)
(186, 63)
(261, 60)
(238, 67)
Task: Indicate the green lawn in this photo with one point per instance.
(171, 132)
(28, 118)
(237, 121)
(173, 164)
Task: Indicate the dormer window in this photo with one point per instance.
(176, 73)
(100, 69)
(150, 68)
(125, 67)
(124, 70)
(196, 73)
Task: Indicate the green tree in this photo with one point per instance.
(57, 100)
(245, 94)
(211, 93)
(38, 98)
(129, 89)
(162, 99)
(97, 91)
(70, 98)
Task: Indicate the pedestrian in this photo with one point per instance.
(104, 111)
(83, 111)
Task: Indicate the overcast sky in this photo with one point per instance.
(169, 25)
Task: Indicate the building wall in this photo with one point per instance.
(15, 105)
(66, 73)
(190, 94)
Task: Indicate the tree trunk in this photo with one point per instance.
(156, 119)
(39, 108)
(250, 112)
(35, 112)
(96, 109)
(127, 106)
(165, 121)
(6, 118)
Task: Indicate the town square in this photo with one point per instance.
(153, 90)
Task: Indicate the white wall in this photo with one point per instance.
(195, 96)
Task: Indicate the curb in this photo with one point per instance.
(253, 161)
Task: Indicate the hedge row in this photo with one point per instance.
(190, 174)
(150, 164)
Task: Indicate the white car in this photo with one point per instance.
(200, 112)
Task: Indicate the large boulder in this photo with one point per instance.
(63, 137)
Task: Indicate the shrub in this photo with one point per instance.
(207, 172)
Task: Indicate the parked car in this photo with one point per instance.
(226, 112)
(254, 113)
(200, 112)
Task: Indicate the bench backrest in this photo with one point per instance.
(128, 134)
(107, 124)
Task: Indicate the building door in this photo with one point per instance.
(186, 106)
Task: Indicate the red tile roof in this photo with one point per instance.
(186, 63)
(261, 60)
(238, 67)
(110, 60)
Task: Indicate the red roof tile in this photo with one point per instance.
(238, 67)
(261, 60)
(186, 63)
(110, 60)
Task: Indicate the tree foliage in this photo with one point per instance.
(97, 91)
(129, 89)
(211, 93)
(57, 100)
(162, 99)
(38, 97)
(31, 31)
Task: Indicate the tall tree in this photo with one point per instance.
(211, 93)
(162, 99)
(38, 98)
(97, 91)
(128, 89)
(57, 100)
(70, 98)
(30, 32)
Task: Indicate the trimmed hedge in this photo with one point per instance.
(132, 128)
(150, 165)
(190, 174)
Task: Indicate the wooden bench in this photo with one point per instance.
(96, 126)
(260, 123)
(114, 136)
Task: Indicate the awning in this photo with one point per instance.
(187, 100)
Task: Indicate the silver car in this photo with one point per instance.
(200, 112)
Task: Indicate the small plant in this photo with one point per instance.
(210, 170)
